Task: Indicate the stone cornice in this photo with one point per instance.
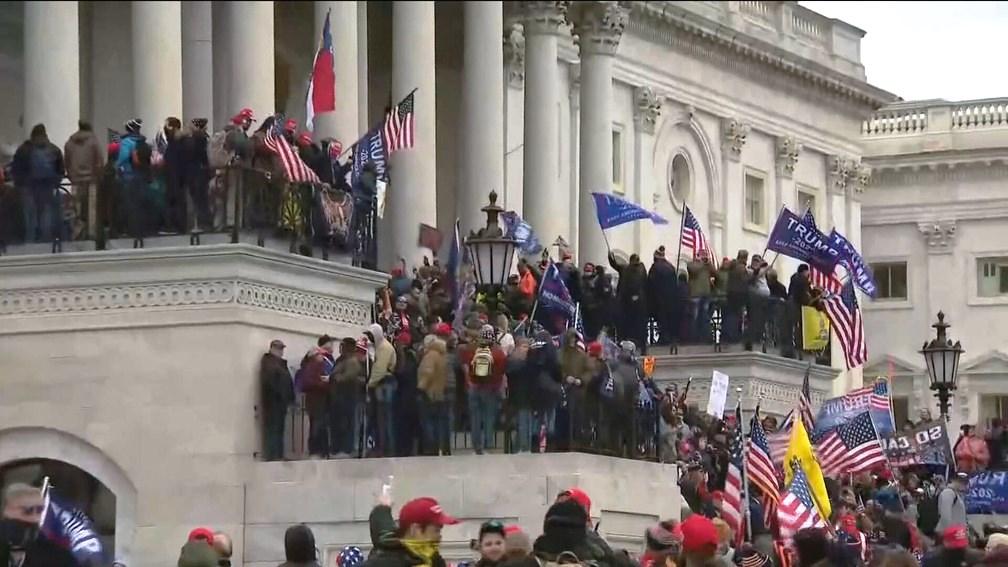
(951, 159)
(761, 53)
(915, 213)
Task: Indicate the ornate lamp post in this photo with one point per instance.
(942, 359)
(492, 252)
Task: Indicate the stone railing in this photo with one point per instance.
(936, 116)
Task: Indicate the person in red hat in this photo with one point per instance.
(290, 130)
(954, 549)
(415, 540)
(699, 540)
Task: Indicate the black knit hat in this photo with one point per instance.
(134, 125)
(565, 514)
(199, 123)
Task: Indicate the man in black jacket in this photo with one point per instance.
(277, 390)
(799, 295)
(20, 542)
(631, 291)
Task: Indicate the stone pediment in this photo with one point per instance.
(889, 363)
(992, 362)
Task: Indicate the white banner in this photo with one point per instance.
(718, 394)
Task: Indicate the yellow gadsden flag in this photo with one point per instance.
(800, 451)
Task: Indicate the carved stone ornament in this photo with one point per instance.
(543, 17)
(840, 169)
(574, 83)
(787, 155)
(938, 235)
(514, 55)
(735, 133)
(861, 177)
(598, 26)
(647, 108)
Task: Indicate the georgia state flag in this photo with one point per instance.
(322, 86)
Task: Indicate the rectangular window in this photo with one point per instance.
(901, 410)
(992, 277)
(807, 201)
(755, 201)
(617, 159)
(892, 280)
(993, 407)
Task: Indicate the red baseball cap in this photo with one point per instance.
(955, 537)
(442, 329)
(290, 125)
(243, 115)
(699, 534)
(579, 496)
(205, 534)
(425, 512)
(304, 139)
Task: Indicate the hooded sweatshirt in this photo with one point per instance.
(84, 157)
(384, 357)
(433, 371)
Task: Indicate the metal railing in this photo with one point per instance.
(234, 200)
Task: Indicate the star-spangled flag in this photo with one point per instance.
(778, 442)
(614, 211)
(852, 447)
(296, 170)
(322, 84)
(797, 511)
(805, 402)
(732, 507)
(692, 236)
(759, 464)
(579, 328)
(400, 126)
(845, 319)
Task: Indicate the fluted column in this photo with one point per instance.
(647, 109)
(599, 26)
(341, 123)
(250, 49)
(157, 62)
(412, 196)
(482, 133)
(543, 22)
(197, 60)
(52, 68)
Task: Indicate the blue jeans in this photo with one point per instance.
(38, 206)
(524, 424)
(435, 417)
(483, 408)
(385, 396)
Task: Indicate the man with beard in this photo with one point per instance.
(20, 542)
(631, 293)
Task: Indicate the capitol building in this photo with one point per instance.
(140, 367)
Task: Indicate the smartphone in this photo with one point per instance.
(386, 489)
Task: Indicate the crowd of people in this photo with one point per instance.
(185, 179)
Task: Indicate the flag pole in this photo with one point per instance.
(353, 145)
(767, 246)
(745, 468)
(682, 223)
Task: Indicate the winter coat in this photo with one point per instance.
(347, 377)
(521, 382)
(632, 281)
(237, 141)
(496, 379)
(84, 157)
(40, 553)
(699, 278)
(544, 369)
(388, 550)
(738, 278)
(661, 283)
(37, 162)
(625, 375)
(432, 376)
(318, 365)
(971, 454)
(275, 384)
(384, 357)
(951, 509)
(195, 161)
(124, 161)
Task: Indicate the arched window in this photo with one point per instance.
(680, 182)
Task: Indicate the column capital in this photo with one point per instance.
(735, 132)
(647, 108)
(514, 54)
(543, 17)
(939, 236)
(840, 170)
(788, 149)
(860, 177)
(599, 25)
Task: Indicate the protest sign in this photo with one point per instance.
(718, 394)
(815, 329)
(839, 410)
(925, 444)
(988, 493)
(649, 363)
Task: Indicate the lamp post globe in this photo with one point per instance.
(941, 357)
(492, 253)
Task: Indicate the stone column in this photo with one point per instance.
(543, 22)
(412, 194)
(197, 61)
(733, 138)
(342, 123)
(250, 52)
(157, 63)
(647, 108)
(52, 68)
(599, 26)
(481, 142)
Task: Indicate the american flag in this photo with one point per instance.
(400, 127)
(805, 402)
(829, 283)
(783, 553)
(759, 464)
(797, 511)
(296, 170)
(732, 510)
(579, 328)
(692, 236)
(845, 318)
(778, 442)
(851, 447)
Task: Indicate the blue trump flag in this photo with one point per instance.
(553, 293)
(793, 236)
(71, 529)
(860, 273)
(370, 149)
(614, 211)
(517, 228)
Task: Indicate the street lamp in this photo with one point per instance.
(942, 359)
(492, 252)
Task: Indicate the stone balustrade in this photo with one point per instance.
(936, 116)
(989, 113)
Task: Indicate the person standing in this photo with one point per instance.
(344, 399)
(316, 369)
(700, 273)
(661, 288)
(196, 173)
(432, 381)
(382, 386)
(84, 162)
(799, 295)
(632, 294)
(20, 543)
(37, 170)
(737, 293)
(276, 390)
(483, 364)
(952, 504)
(134, 167)
(759, 301)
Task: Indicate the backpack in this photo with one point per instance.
(928, 515)
(40, 164)
(218, 154)
(481, 367)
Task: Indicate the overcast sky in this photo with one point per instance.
(922, 50)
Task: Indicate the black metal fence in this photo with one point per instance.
(234, 200)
